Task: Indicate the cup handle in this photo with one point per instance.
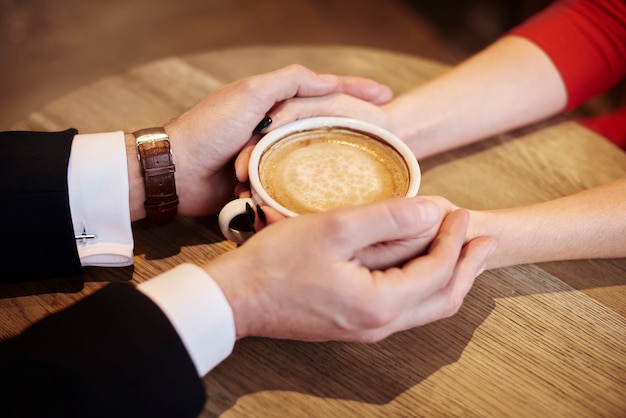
(234, 208)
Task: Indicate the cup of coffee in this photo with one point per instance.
(317, 164)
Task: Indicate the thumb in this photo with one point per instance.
(388, 220)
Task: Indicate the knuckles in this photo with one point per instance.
(370, 315)
(452, 306)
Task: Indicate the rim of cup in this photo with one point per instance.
(322, 122)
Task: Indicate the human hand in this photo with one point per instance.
(335, 104)
(261, 216)
(432, 211)
(207, 137)
(307, 278)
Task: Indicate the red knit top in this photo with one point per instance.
(586, 40)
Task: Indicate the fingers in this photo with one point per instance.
(441, 260)
(448, 300)
(365, 89)
(297, 80)
(354, 228)
(434, 287)
(472, 263)
(329, 105)
(242, 190)
(270, 90)
(291, 81)
(266, 216)
(241, 162)
(357, 231)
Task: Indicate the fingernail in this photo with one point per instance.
(429, 212)
(261, 214)
(251, 216)
(265, 122)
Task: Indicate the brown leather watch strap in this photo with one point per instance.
(155, 156)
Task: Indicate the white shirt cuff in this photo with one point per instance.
(198, 310)
(99, 202)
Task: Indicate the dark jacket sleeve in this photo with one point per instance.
(37, 233)
(113, 354)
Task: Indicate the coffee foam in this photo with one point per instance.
(318, 170)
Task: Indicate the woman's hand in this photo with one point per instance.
(207, 137)
(336, 104)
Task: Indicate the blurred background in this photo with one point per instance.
(51, 47)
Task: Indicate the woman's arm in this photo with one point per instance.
(588, 224)
(510, 84)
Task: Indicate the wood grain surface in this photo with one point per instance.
(543, 340)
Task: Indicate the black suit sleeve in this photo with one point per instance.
(113, 354)
(37, 233)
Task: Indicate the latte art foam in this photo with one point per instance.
(318, 170)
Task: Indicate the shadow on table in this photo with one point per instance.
(160, 242)
(69, 284)
(153, 242)
(378, 373)
(367, 373)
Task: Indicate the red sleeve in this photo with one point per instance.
(586, 40)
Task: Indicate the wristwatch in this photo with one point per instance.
(157, 168)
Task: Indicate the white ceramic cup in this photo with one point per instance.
(261, 197)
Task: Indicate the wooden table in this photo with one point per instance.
(531, 341)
